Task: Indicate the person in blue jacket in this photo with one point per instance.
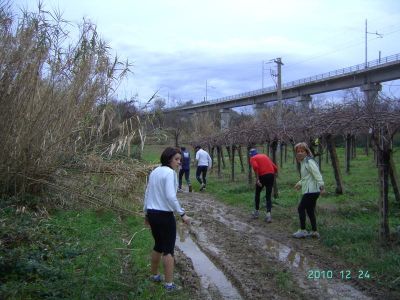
(185, 169)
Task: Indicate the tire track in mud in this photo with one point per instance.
(261, 260)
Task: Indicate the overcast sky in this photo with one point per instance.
(177, 45)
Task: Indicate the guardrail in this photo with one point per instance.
(325, 76)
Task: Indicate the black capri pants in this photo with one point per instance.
(163, 229)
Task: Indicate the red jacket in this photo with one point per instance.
(262, 165)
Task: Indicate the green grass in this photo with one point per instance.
(348, 223)
(75, 255)
(283, 280)
(44, 256)
(152, 153)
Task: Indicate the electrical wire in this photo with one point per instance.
(345, 46)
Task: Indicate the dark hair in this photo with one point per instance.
(168, 154)
(183, 148)
(197, 147)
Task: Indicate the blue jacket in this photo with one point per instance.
(185, 160)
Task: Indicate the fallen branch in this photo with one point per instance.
(130, 241)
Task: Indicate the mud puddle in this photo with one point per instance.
(212, 280)
(327, 281)
(256, 256)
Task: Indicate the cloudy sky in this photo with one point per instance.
(176, 46)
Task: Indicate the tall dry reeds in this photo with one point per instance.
(49, 88)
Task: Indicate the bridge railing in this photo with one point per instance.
(340, 72)
(357, 68)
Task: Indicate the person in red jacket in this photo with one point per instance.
(265, 171)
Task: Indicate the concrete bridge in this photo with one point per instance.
(367, 76)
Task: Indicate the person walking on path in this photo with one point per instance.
(265, 171)
(185, 169)
(311, 185)
(160, 203)
(203, 164)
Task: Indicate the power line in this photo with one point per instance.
(345, 46)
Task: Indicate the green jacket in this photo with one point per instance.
(311, 178)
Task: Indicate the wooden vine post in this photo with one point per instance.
(250, 173)
(348, 152)
(274, 147)
(221, 150)
(241, 159)
(219, 154)
(212, 155)
(394, 179)
(383, 150)
(233, 148)
(335, 163)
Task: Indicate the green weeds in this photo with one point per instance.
(75, 255)
(283, 280)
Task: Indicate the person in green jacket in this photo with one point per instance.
(311, 185)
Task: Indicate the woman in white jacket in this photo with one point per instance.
(312, 185)
(160, 203)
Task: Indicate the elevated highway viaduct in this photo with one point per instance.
(366, 76)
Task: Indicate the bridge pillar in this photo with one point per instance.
(225, 118)
(258, 109)
(305, 102)
(371, 91)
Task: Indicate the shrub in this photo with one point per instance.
(49, 88)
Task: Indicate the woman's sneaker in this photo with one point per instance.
(156, 278)
(299, 234)
(172, 287)
(314, 234)
(255, 214)
(268, 217)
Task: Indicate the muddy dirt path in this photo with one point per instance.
(263, 261)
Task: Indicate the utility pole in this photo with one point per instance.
(263, 63)
(366, 41)
(279, 63)
(207, 87)
(262, 74)
(206, 90)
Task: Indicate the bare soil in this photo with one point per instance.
(261, 259)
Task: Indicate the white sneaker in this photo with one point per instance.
(299, 234)
(268, 218)
(156, 278)
(172, 287)
(255, 214)
(180, 191)
(314, 234)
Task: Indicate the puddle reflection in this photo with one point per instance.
(329, 289)
(210, 275)
(286, 254)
